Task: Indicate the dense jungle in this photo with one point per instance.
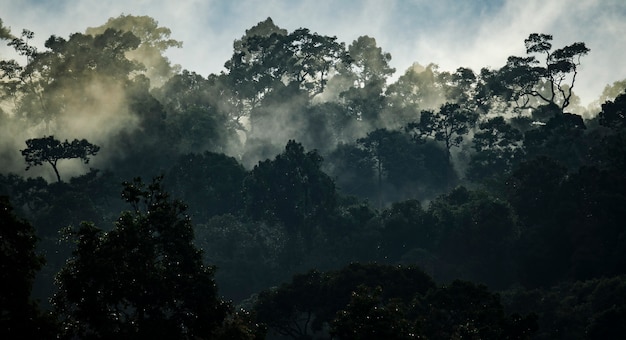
(305, 192)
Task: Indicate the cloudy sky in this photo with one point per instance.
(475, 34)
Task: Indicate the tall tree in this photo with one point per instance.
(270, 57)
(397, 161)
(142, 279)
(529, 82)
(368, 72)
(155, 40)
(66, 77)
(416, 90)
(19, 316)
(448, 125)
(613, 114)
(50, 150)
(290, 189)
(497, 148)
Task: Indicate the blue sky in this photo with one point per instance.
(475, 34)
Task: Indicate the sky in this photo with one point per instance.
(452, 34)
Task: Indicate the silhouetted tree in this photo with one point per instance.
(144, 278)
(448, 125)
(20, 317)
(613, 114)
(50, 150)
(529, 83)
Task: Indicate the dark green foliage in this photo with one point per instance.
(198, 117)
(448, 125)
(613, 114)
(210, 183)
(476, 234)
(144, 278)
(408, 235)
(392, 302)
(575, 310)
(291, 189)
(549, 207)
(466, 310)
(497, 148)
(308, 304)
(366, 316)
(386, 166)
(528, 83)
(353, 170)
(571, 224)
(20, 317)
(461, 310)
(562, 138)
(300, 58)
(246, 253)
(50, 150)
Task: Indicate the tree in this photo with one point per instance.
(459, 87)
(407, 236)
(367, 70)
(416, 90)
(19, 316)
(398, 163)
(528, 84)
(613, 114)
(50, 150)
(379, 144)
(268, 56)
(449, 125)
(5, 32)
(202, 113)
(17, 79)
(367, 316)
(307, 305)
(475, 233)
(497, 148)
(155, 40)
(353, 169)
(535, 192)
(209, 183)
(464, 310)
(562, 138)
(291, 189)
(142, 279)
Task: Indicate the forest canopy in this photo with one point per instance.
(305, 190)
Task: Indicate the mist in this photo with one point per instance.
(312, 183)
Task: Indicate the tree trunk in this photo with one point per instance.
(56, 171)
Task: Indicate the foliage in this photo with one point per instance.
(448, 125)
(528, 83)
(613, 114)
(586, 309)
(291, 189)
(308, 304)
(367, 317)
(269, 55)
(497, 148)
(210, 183)
(19, 315)
(142, 278)
(154, 41)
(541, 204)
(50, 150)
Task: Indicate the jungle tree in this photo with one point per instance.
(529, 82)
(50, 150)
(142, 279)
(448, 125)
